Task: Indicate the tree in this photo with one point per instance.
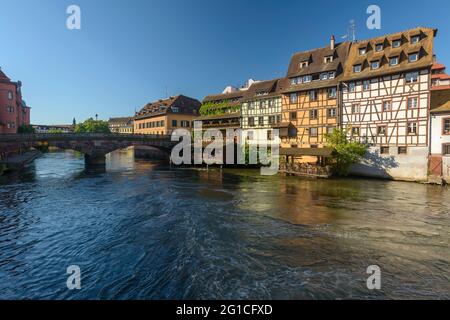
(26, 129)
(346, 152)
(92, 126)
(55, 131)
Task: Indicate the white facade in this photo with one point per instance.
(391, 114)
(440, 140)
(259, 117)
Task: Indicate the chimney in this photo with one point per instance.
(332, 42)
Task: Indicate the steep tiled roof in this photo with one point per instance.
(424, 47)
(265, 89)
(440, 101)
(224, 96)
(315, 59)
(163, 106)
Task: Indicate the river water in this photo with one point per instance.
(143, 230)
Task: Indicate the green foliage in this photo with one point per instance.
(346, 152)
(210, 108)
(92, 126)
(26, 129)
(55, 131)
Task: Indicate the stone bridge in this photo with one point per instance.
(94, 146)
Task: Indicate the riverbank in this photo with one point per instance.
(18, 161)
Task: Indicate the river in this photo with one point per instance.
(144, 230)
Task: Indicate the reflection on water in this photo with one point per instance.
(144, 230)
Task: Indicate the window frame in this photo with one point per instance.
(394, 42)
(397, 58)
(444, 147)
(316, 130)
(313, 114)
(413, 54)
(410, 99)
(358, 108)
(291, 117)
(364, 85)
(412, 73)
(390, 105)
(385, 131)
(415, 133)
(329, 110)
(402, 153)
(443, 126)
(291, 95)
(382, 148)
(378, 64)
(357, 68)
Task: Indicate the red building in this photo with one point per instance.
(13, 110)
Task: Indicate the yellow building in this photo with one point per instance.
(164, 116)
(311, 101)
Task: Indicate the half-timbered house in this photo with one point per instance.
(386, 100)
(311, 100)
(261, 110)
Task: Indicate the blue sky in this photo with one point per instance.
(128, 52)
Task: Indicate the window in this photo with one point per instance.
(260, 121)
(10, 125)
(313, 132)
(375, 65)
(412, 77)
(307, 79)
(446, 126)
(10, 95)
(379, 47)
(413, 57)
(366, 85)
(294, 81)
(387, 105)
(355, 131)
(251, 121)
(174, 123)
(351, 87)
(330, 130)
(413, 103)
(412, 127)
(185, 124)
(269, 135)
(384, 150)
(356, 108)
(271, 103)
(313, 114)
(331, 113)
(303, 64)
(10, 109)
(402, 150)
(396, 43)
(362, 51)
(293, 115)
(271, 119)
(332, 93)
(250, 135)
(446, 149)
(175, 109)
(415, 39)
(313, 95)
(293, 98)
(324, 76)
(357, 68)
(279, 118)
(328, 59)
(381, 130)
(393, 61)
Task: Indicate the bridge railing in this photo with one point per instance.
(80, 136)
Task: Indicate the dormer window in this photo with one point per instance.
(396, 43)
(413, 57)
(324, 76)
(362, 51)
(331, 75)
(357, 68)
(393, 61)
(375, 65)
(415, 39)
(379, 47)
(175, 109)
(307, 79)
(303, 64)
(328, 59)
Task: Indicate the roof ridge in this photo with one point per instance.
(394, 33)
